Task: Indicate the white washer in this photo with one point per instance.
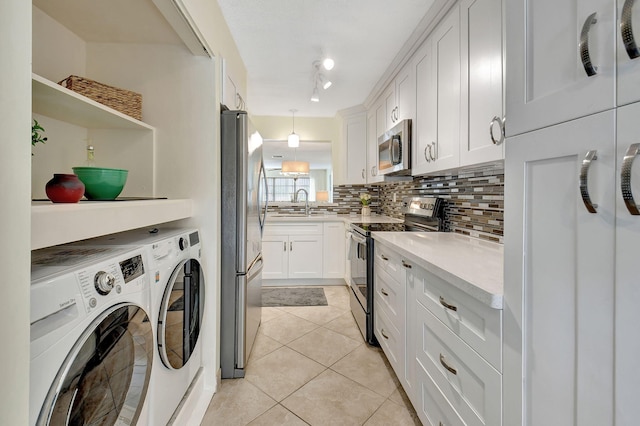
(91, 338)
(176, 276)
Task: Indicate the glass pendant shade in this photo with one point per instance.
(293, 141)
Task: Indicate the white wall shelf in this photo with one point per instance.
(53, 224)
(60, 103)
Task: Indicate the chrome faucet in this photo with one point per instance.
(306, 200)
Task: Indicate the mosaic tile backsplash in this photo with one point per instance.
(474, 196)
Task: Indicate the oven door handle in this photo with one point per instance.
(357, 239)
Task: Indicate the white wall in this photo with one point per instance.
(57, 52)
(308, 128)
(15, 209)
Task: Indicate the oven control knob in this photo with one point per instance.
(183, 243)
(104, 282)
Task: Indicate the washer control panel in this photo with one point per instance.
(105, 280)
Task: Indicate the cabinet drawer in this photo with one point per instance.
(472, 386)
(390, 294)
(390, 262)
(389, 337)
(432, 407)
(290, 228)
(474, 322)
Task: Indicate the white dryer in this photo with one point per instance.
(177, 287)
(91, 337)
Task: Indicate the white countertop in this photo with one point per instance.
(348, 218)
(474, 266)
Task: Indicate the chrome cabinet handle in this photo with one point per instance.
(363, 174)
(447, 366)
(584, 181)
(433, 153)
(626, 30)
(448, 306)
(384, 257)
(384, 292)
(285, 246)
(500, 122)
(291, 246)
(406, 265)
(372, 171)
(583, 46)
(383, 333)
(426, 156)
(625, 179)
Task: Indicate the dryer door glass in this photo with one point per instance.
(180, 317)
(104, 379)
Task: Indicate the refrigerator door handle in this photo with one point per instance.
(263, 216)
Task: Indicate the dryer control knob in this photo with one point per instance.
(183, 243)
(104, 282)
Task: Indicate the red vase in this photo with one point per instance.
(64, 188)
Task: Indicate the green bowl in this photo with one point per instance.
(101, 183)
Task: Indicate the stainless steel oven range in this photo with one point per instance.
(422, 214)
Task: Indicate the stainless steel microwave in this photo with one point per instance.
(394, 150)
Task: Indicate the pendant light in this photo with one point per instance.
(295, 168)
(293, 141)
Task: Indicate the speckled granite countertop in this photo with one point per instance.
(472, 265)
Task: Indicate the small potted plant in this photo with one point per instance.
(365, 199)
(37, 133)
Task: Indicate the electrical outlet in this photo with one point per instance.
(395, 197)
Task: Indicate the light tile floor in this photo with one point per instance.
(311, 366)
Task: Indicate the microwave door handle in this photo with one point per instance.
(395, 149)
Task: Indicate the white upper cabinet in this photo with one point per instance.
(355, 138)
(405, 84)
(372, 146)
(437, 118)
(560, 61)
(628, 51)
(481, 132)
(399, 101)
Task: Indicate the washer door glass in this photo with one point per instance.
(104, 379)
(180, 316)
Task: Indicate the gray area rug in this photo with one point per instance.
(293, 296)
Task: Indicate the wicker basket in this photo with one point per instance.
(125, 101)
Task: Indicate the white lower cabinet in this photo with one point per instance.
(298, 256)
(559, 274)
(276, 256)
(292, 251)
(470, 384)
(388, 312)
(304, 250)
(444, 345)
(333, 250)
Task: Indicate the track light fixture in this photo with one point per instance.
(315, 97)
(328, 64)
(319, 79)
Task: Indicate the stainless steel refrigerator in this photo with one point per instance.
(244, 207)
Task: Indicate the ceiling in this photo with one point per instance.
(279, 40)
